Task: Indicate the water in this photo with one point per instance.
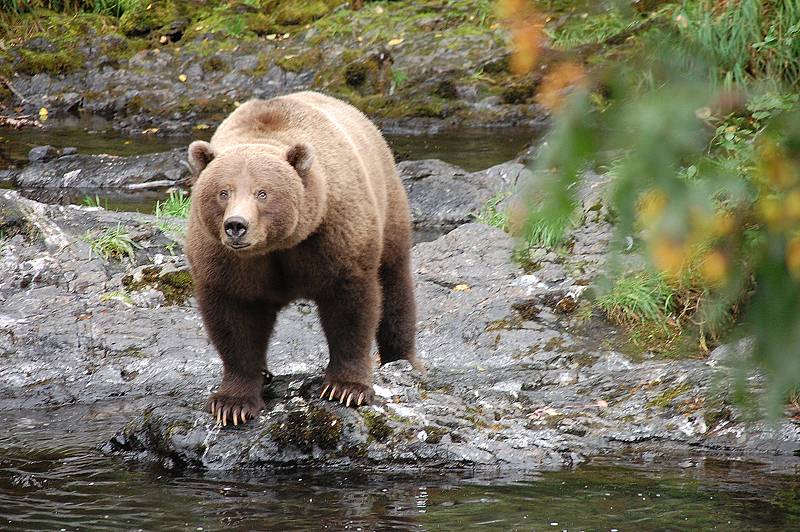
(52, 477)
(471, 149)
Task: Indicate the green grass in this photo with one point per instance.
(636, 298)
(89, 201)
(113, 243)
(176, 205)
(546, 232)
(491, 215)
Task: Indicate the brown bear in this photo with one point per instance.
(298, 197)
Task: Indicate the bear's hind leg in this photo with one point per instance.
(349, 314)
(397, 328)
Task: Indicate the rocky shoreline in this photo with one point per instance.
(521, 372)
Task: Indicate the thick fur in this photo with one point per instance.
(327, 219)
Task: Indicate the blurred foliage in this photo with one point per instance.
(698, 120)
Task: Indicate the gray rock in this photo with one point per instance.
(103, 171)
(512, 382)
(42, 154)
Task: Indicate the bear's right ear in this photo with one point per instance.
(200, 154)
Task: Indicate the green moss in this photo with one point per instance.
(61, 62)
(176, 285)
(377, 426)
(665, 399)
(214, 64)
(301, 12)
(300, 62)
(518, 93)
(146, 17)
(306, 429)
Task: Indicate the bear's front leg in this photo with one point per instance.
(349, 314)
(240, 331)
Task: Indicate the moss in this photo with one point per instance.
(140, 22)
(435, 434)
(377, 426)
(176, 285)
(214, 64)
(518, 93)
(61, 62)
(306, 429)
(669, 395)
(301, 12)
(300, 62)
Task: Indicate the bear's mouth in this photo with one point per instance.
(238, 245)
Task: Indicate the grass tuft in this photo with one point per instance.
(113, 243)
(176, 205)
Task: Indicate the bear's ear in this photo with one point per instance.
(300, 156)
(200, 154)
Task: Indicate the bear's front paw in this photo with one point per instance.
(238, 407)
(347, 393)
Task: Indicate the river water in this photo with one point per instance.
(53, 475)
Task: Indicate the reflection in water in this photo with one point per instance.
(52, 477)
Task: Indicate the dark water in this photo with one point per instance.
(471, 149)
(52, 478)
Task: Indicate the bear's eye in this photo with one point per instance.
(262, 194)
(223, 194)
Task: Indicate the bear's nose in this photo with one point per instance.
(235, 227)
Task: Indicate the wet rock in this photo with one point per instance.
(511, 381)
(42, 154)
(103, 171)
(445, 196)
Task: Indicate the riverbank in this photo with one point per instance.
(538, 380)
(419, 66)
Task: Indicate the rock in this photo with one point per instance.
(69, 150)
(511, 382)
(42, 154)
(103, 171)
(445, 196)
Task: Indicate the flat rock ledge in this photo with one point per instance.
(519, 374)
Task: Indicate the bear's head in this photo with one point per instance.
(256, 198)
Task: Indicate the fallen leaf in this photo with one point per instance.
(201, 126)
(43, 114)
(150, 131)
(394, 42)
(461, 288)
(163, 39)
(183, 78)
(271, 36)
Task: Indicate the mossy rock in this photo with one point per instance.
(518, 93)
(301, 62)
(214, 64)
(377, 426)
(300, 12)
(61, 62)
(145, 17)
(306, 429)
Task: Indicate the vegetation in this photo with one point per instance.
(176, 205)
(699, 111)
(113, 243)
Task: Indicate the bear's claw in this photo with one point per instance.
(238, 409)
(348, 393)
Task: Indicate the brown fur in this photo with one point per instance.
(327, 219)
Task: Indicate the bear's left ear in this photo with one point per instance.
(301, 156)
(200, 154)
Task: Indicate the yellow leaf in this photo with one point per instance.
(394, 42)
(379, 10)
(461, 288)
(201, 126)
(272, 36)
(150, 131)
(43, 114)
(714, 268)
(163, 39)
(182, 77)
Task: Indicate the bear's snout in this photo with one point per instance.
(235, 227)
